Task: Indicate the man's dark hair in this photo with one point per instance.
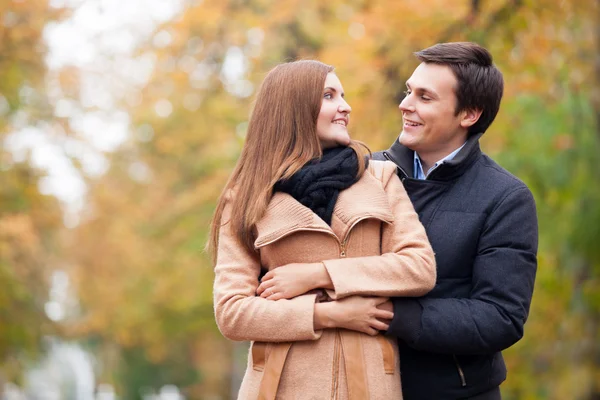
(480, 83)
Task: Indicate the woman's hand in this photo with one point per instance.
(292, 280)
(356, 313)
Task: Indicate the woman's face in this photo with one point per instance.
(332, 124)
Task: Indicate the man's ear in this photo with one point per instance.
(470, 117)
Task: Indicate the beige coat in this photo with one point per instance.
(374, 246)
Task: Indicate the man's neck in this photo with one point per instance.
(425, 164)
(428, 160)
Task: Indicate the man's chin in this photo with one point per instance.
(406, 140)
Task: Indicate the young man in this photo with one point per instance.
(480, 220)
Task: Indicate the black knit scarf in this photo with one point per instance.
(318, 184)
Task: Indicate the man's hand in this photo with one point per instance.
(387, 306)
(356, 313)
(292, 280)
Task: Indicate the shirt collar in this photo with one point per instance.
(418, 167)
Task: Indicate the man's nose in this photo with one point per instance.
(406, 104)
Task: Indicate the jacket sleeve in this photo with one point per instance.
(239, 313)
(504, 269)
(407, 264)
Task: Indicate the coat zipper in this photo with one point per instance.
(336, 366)
(342, 244)
(461, 373)
(294, 231)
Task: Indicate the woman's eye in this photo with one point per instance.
(407, 92)
(327, 95)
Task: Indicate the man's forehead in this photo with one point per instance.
(432, 77)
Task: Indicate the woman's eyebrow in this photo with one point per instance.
(333, 90)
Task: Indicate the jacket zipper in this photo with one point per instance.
(461, 373)
(404, 174)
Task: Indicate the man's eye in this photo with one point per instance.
(425, 98)
(407, 92)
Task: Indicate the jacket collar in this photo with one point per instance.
(403, 157)
(285, 215)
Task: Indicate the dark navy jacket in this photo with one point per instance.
(481, 222)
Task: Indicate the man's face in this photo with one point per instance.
(430, 125)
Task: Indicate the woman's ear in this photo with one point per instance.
(470, 117)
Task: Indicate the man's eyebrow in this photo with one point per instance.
(422, 89)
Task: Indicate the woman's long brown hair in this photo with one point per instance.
(281, 139)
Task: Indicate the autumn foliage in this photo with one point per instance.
(143, 279)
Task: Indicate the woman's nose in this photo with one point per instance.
(344, 107)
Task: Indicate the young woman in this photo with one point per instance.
(305, 205)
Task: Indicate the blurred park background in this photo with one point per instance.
(120, 121)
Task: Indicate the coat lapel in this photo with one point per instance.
(285, 215)
(365, 199)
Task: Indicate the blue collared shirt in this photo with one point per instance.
(418, 168)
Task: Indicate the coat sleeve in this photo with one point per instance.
(493, 317)
(239, 313)
(407, 264)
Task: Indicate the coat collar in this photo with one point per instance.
(285, 215)
(403, 157)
